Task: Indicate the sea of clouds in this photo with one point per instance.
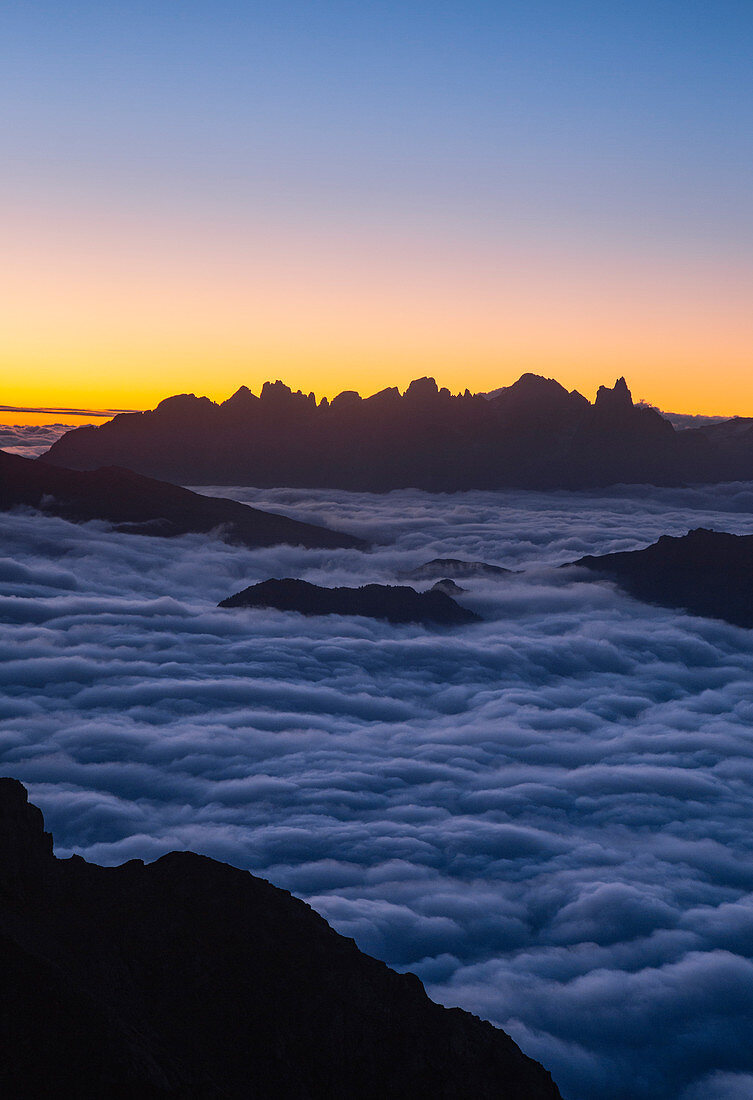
(31, 440)
(547, 816)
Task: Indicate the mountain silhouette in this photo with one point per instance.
(705, 572)
(188, 978)
(532, 434)
(143, 506)
(454, 569)
(394, 603)
(732, 441)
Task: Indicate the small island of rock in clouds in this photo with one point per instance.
(394, 603)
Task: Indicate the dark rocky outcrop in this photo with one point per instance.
(705, 572)
(447, 586)
(188, 978)
(140, 505)
(395, 603)
(532, 434)
(455, 569)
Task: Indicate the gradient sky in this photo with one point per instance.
(197, 195)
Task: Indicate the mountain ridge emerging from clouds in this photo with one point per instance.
(187, 977)
(705, 572)
(532, 434)
(144, 506)
(393, 603)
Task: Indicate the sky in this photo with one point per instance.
(201, 195)
(545, 815)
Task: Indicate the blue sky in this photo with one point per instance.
(620, 130)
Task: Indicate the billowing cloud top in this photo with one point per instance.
(545, 815)
(31, 440)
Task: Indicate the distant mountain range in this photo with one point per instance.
(189, 978)
(681, 421)
(533, 434)
(143, 506)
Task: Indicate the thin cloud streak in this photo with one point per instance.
(65, 412)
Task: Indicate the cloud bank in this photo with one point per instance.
(546, 816)
(31, 440)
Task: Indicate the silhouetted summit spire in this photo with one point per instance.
(421, 390)
(617, 399)
(275, 391)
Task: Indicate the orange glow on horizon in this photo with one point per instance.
(145, 309)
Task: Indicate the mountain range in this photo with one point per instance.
(189, 979)
(532, 434)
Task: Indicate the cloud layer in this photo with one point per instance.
(546, 816)
(31, 440)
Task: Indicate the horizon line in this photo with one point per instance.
(53, 411)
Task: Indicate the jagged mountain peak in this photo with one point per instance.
(272, 390)
(615, 399)
(241, 399)
(422, 389)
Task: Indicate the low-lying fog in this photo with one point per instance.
(546, 816)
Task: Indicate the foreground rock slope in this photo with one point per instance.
(705, 572)
(393, 603)
(533, 434)
(189, 978)
(140, 505)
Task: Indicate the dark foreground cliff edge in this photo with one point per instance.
(189, 978)
(708, 573)
(142, 506)
(393, 603)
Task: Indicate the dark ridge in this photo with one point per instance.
(532, 435)
(732, 440)
(396, 604)
(188, 978)
(705, 572)
(142, 506)
(454, 569)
